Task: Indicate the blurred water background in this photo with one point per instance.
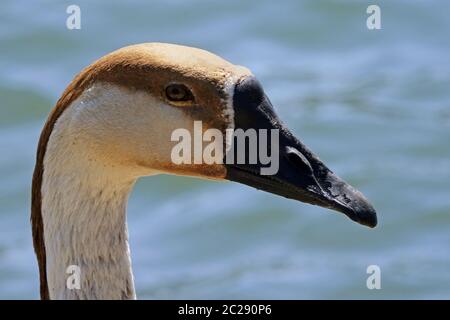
(375, 105)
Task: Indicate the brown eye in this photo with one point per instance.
(178, 92)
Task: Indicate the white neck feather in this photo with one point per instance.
(85, 225)
(84, 211)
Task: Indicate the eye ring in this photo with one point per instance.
(177, 92)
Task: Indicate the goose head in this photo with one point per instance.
(132, 108)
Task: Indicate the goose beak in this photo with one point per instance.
(298, 173)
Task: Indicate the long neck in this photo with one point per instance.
(85, 226)
(84, 218)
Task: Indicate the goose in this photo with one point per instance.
(113, 125)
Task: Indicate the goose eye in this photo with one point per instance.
(178, 92)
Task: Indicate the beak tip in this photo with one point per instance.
(370, 220)
(353, 203)
(366, 216)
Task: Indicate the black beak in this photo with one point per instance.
(299, 174)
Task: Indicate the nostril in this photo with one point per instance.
(298, 160)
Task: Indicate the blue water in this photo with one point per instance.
(375, 105)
